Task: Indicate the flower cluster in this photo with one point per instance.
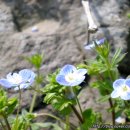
(20, 80)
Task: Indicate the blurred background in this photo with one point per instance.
(58, 28)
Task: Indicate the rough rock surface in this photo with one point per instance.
(61, 32)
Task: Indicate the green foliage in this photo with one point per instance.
(104, 86)
(35, 60)
(7, 105)
(128, 15)
(90, 118)
(23, 122)
(104, 64)
(117, 58)
(56, 95)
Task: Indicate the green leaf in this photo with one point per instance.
(58, 95)
(90, 119)
(35, 60)
(128, 15)
(12, 102)
(117, 57)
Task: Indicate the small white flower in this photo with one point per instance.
(21, 80)
(121, 89)
(71, 76)
(120, 120)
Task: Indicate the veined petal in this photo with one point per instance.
(67, 69)
(81, 71)
(5, 83)
(115, 94)
(118, 83)
(25, 74)
(32, 78)
(61, 80)
(127, 82)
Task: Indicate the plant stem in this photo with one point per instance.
(67, 123)
(33, 102)
(77, 100)
(77, 114)
(79, 106)
(6, 122)
(50, 115)
(2, 125)
(55, 117)
(20, 97)
(35, 95)
(110, 100)
(113, 111)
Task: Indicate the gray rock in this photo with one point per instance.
(61, 33)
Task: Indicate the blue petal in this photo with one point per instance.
(101, 41)
(78, 81)
(32, 78)
(127, 82)
(81, 71)
(115, 94)
(5, 83)
(125, 96)
(9, 76)
(27, 75)
(61, 80)
(22, 86)
(89, 47)
(67, 69)
(118, 83)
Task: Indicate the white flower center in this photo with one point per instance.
(70, 77)
(125, 89)
(16, 79)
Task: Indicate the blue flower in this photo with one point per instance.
(121, 89)
(70, 76)
(98, 42)
(21, 80)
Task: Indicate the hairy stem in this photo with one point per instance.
(33, 102)
(34, 96)
(79, 106)
(77, 114)
(20, 97)
(113, 111)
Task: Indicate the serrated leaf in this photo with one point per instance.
(49, 97)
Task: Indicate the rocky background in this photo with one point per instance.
(61, 36)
